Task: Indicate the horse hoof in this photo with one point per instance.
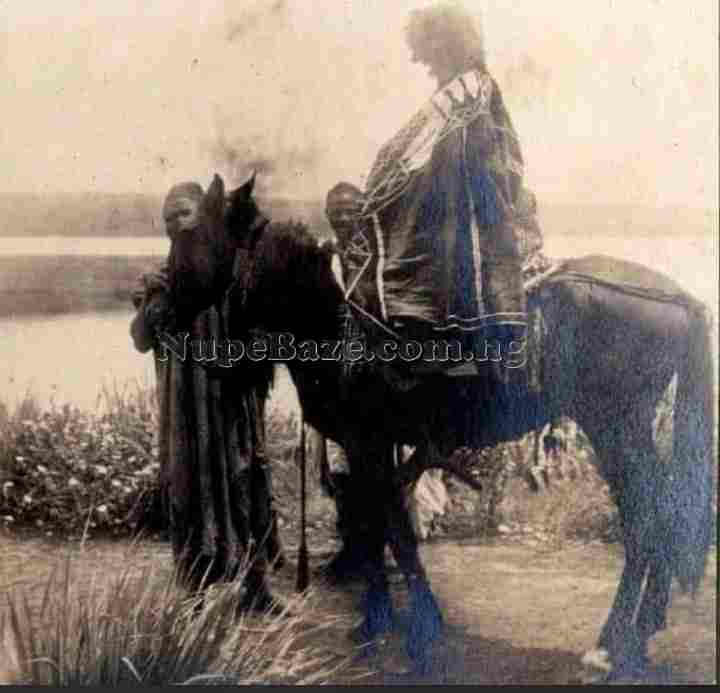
(600, 668)
(361, 637)
(365, 650)
(422, 667)
(377, 606)
(596, 667)
(426, 622)
(629, 671)
(367, 634)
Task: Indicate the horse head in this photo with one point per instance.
(202, 254)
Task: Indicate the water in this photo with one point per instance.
(73, 358)
(95, 245)
(77, 359)
(70, 358)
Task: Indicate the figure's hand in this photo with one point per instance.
(156, 303)
(156, 281)
(158, 312)
(151, 298)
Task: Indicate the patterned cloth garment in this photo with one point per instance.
(435, 239)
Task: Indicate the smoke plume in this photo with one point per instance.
(266, 122)
(278, 167)
(264, 18)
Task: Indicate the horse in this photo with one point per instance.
(608, 357)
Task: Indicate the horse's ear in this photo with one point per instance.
(242, 215)
(215, 197)
(245, 191)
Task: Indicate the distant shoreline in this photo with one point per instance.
(612, 231)
(139, 216)
(97, 274)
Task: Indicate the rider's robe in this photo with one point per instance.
(436, 244)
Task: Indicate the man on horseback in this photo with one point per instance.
(444, 202)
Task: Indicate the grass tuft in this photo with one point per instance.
(141, 629)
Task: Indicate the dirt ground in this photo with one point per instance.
(518, 615)
(514, 613)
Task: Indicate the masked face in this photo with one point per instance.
(181, 214)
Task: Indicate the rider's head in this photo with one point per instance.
(343, 203)
(445, 38)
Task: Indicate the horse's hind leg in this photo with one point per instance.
(651, 616)
(630, 466)
(619, 636)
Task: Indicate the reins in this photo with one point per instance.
(242, 276)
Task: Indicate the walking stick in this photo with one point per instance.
(303, 572)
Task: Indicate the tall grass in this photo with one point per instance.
(141, 629)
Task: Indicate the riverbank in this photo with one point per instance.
(48, 285)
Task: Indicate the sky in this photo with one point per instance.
(615, 102)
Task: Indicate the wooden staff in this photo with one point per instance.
(303, 572)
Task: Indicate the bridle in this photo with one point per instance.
(243, 275)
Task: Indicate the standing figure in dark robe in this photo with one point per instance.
(214, 475)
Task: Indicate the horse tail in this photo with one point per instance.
(692, 473)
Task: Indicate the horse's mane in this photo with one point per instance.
(284, 241)
(293, 275)
(288, 250)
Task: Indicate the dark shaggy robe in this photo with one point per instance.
(214, 478)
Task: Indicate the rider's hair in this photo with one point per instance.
(457, 30)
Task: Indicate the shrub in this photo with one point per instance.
(567, 500)
(66, 471)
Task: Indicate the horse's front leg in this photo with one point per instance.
(370, 476)
(425, 617)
